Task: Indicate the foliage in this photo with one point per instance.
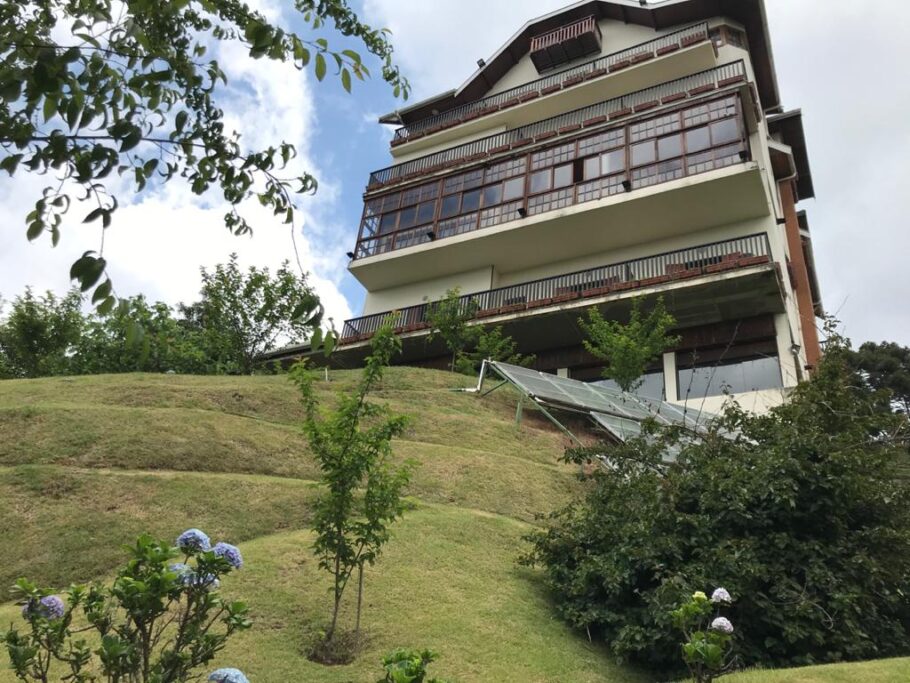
(491, 345)
(158, 622)
(88, 87)
(241, 315)
(351, 529)
(886, 366)
(38, 334)
(628, 348)
(798, 512)
(448, 318)
(708, 636)
(408, 666)
(137, 336)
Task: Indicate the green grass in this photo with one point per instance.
(88, 463)
(882, 671)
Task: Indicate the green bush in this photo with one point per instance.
(798, 514)
(408, 666)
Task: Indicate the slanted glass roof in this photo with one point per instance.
(620, 413)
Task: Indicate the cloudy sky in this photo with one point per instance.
(841, 61)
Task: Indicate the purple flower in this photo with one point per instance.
(187, 576)
(721, 597)
(50, 607)
(193, 541)
(723, 625)
(229, 552)
(228, 676)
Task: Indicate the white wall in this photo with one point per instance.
(428, 290)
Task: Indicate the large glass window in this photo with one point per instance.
(652, 385)
(714, 378)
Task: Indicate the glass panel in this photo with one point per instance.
(652, 385)
(540, 181)
(470, 201)
(449, 206)
(713, 379)
(724, 131)
(387, 224)
(390, 202)
(592, 168)
(514, 188)
(408, 218)
(697, 140)
(613, 162)
(670, 147)
(643, 153)
(562, 176)
(492, 195)
(425, 212)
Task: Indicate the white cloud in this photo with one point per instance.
(160, 238)
(841, 61)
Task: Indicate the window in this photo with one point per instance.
(698, 377)
(652, 385)
(643, 153)
(698, 139)
(553, 156)
(669, 147)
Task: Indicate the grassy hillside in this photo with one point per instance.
(88, 463)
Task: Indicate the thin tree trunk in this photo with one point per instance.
(359, 599)
(331, 632)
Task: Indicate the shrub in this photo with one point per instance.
(798, 512)
(708, 635)
(158, 622)
(408, 666)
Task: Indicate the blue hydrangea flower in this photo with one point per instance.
(723, 625)
(50, 607)
(229, 552)
(720, 596)
(193, 541)
(228, 676)
(184, 572)
(209, 581)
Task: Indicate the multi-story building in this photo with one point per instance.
(609, 150)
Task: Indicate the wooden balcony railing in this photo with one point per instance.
(566, 43)
(616, 61)
(594, 282)
(593, 115)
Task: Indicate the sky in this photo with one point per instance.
(841, 61)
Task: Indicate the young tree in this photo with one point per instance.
(241, 315)
(886, 367)
(39, 334)
(491, 345)
(628, 348)
(448, 318)
(363, 489)
(799, 513)
(94, 86)
(158, 622)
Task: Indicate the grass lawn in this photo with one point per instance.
(88, 463)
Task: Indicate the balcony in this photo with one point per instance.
(684, 267)
(594, 115)
(566, 44)
(575, 78)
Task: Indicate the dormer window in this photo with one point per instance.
(566, 44)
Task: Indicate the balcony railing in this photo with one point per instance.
(596, 114)
(564, 79)
(564, 33)
(594, 282)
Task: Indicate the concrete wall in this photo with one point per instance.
(428, 290)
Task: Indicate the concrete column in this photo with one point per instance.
(670, 388)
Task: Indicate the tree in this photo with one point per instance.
(491, 345)
(449, 318)
(886, 367)
(629, 348)
(139, 337)
(241, 315)
(158, 622)
(88, 87)
(352, 528)
(798, 513)
(39, 333)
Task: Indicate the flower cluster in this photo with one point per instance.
(722, 625)
(229, 552)
(720, 596)
(228, 676)
(50, 607)
(186, 576)
(193, 541)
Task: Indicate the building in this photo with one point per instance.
(609, 150)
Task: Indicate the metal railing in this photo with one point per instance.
(563, 79)
(520, 137)
(625, 275)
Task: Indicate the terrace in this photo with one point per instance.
(590, 284)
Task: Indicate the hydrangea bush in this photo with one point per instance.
(708, 635)
(159, 622)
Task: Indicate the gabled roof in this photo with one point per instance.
(657, 14)
(789, 125)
